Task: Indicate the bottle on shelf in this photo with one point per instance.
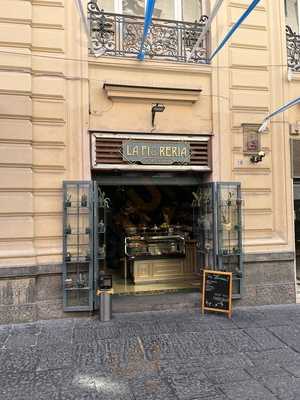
(68, 200)
(83, 201)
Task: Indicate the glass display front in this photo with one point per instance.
(148, 237)
(163, 8)
(203, 224)
(148, 245)
(77, 257)
(229, 228)
(107, 5)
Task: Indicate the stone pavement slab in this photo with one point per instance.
(283, 387)
(168, 355)
(247, 390)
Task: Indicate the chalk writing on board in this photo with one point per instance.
(217, 287)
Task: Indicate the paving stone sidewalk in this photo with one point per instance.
(155, 356)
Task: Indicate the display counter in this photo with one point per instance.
(160, 258)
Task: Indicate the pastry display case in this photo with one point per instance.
(159, 258)
(154, 246)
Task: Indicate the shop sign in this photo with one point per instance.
(217, 291)
(155, 152)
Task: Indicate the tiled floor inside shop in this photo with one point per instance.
(122, 286)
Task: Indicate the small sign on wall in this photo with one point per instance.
(155, 152)
(251, 138)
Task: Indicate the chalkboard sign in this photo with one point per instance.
(217, 291)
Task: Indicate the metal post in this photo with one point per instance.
(105, 305)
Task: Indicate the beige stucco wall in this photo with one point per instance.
(47, 89)
(43, 102)
(249, 77)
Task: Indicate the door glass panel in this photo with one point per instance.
(163, 8)
(107, 5)
(134, 7)
(229, 229)
(203, 225)
(191, 10)
(101, 206)
(291, 14)
(77, 246)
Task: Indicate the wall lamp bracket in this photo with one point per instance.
(158, 107)
(256, 158)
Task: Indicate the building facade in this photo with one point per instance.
(292, 9)
(67, 114)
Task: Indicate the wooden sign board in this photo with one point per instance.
(217, 292)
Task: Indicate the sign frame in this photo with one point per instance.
(222, 310)
(251, 139)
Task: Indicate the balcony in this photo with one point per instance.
(120, 35)
(293, 49)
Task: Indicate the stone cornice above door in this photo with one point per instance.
(153, 93)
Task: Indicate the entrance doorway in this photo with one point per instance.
(297, 234)
(150, 243)
(153, 232)
(163, 229)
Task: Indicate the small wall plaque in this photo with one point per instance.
(251, 138)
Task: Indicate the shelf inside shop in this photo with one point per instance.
(77, 233)
(76, 260)
(79, 244)
(230, 254)
(155, 256)
(75, 201)
(82, 210)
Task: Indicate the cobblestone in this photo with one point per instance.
(167, 355)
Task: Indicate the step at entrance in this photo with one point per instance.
(170, 301)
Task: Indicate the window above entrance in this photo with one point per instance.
(116, 29)
(185, 10)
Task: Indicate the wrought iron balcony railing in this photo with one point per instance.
(293, 49)
(120, 35)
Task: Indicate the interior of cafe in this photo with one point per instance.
(150, 242)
